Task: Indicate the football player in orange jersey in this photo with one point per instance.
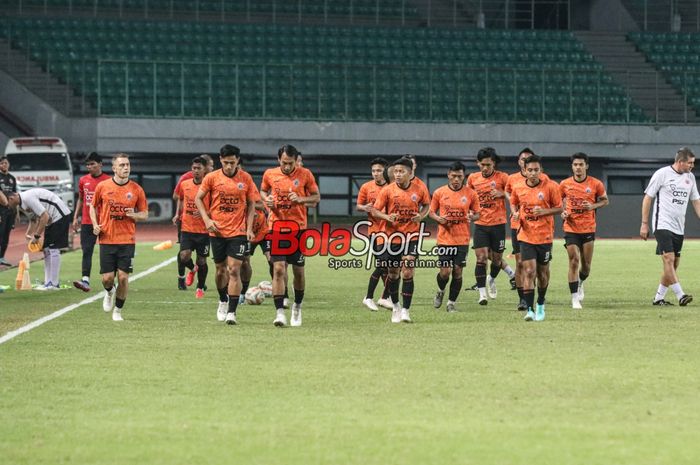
(287, 191)
(490, 228)
(116, 206)
(365, 200)
(229, 219)
(454, 206)
(181, 279)
(514, 179)
(534, 203)
(402, 205)
(581, 196)
(193, 231)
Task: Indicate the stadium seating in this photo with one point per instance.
(675, 54)
(197, 69)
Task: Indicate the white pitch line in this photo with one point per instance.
(36, 323)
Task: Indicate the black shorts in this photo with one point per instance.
(514, 242)
(223, 247)
(667, 241)
(458, 258)
(577, 239)
(195, 241)
(56, 234)
(296, 258)
(264, 246)
(493, 237)
(115, 257)
(540, 252)
(389, 256)
(87, 238)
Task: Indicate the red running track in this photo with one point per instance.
(144, 233)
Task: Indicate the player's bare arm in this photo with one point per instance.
(646, 207)
(600, 203)
(41, 223)
(422, 213)
(137, 215)
(208, 222)
(564, 214)
(250, 218)
(437, 217)
(76, 216)
(383, 216)
(696, 207)
(96, 227)
(311, 200)
(267, 199)
(539, 211)
(178, 210)
(365, 208)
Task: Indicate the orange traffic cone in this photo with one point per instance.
(163, 245)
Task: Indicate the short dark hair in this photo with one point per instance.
(229, 150)
(387, 178)
(526, 150)
(684, 153)
(457, 166)
(199, 160)
(488, 152)
(208, 160)
(405, 162)
(3, 157)
(289, 149)
(533, 159)
(93, 156)
(410, 156)
(579, 156)
(379, 161)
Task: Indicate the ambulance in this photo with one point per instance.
(42, 162)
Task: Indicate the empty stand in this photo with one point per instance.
(198, 69)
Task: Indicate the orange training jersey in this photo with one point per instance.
(228, 204)
(575, 193)
(259, 226)
(405, 203)
(280, 185)
(454, 206)
(536, 229)
(514, 180)
(493, 211)
(192, 221)
(368, 195)
(111, 201)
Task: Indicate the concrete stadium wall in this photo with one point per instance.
(353, 139)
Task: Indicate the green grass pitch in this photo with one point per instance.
(614, 383)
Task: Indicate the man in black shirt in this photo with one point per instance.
(8, 184)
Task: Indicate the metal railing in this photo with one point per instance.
(532, 14)
(370, 93)
(664, 15)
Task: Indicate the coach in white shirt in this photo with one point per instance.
(50, 218)
(673, 187)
